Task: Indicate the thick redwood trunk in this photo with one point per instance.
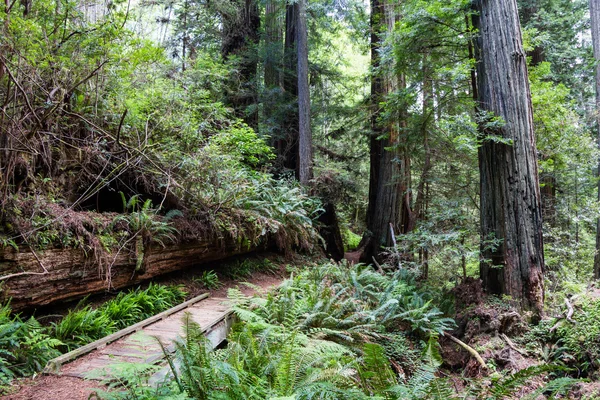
(384, 189)
(330, 232)
(305, 156)
(529, 18)
(510, 194)
(595, 27)
(389, 182)
(286, 145)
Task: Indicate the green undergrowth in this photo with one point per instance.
(329, 332)
(85, 324)
(209, 280)
(575, 343)
(351, 239)
(26, 345)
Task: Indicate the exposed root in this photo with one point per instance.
(568, 316)
(512, 345)
(468, 348)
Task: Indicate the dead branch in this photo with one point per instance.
(570, 311)
(568, 316)
(5, 277)
(120, 127)
(166, 192)
(378, 266)
(396, 252)
(18, 85)
(556, 325)
(37, 258)
(88, 77)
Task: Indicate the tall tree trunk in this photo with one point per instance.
(595, 27)
(241, 24)
(286, 145)
(272, 69)
(389, 195)
(184, 40)
(422, 200)
(304, 131)
(427, 113)
(510, 194)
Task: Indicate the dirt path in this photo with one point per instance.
(48, 387)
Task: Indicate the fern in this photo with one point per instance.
(375, 373)
(503, 387)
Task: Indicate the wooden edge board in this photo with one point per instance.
(209, 327)
(170, 348)
(53, 366)
(165, 369)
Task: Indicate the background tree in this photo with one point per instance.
(241, 23)
(595, 28)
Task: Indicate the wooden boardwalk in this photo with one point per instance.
(139, 343)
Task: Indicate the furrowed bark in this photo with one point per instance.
(305, 155)
(510, 194)
(389, 182)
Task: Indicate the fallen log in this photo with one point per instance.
(70, 274)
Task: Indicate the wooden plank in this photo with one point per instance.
(53, 366)
(216, 333)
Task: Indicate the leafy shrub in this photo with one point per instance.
(85, 325)
(241, 142)
(282, 209)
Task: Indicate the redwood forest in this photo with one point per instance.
(299, 199)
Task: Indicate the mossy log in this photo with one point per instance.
(44, 277)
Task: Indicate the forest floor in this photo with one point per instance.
(53, 387)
